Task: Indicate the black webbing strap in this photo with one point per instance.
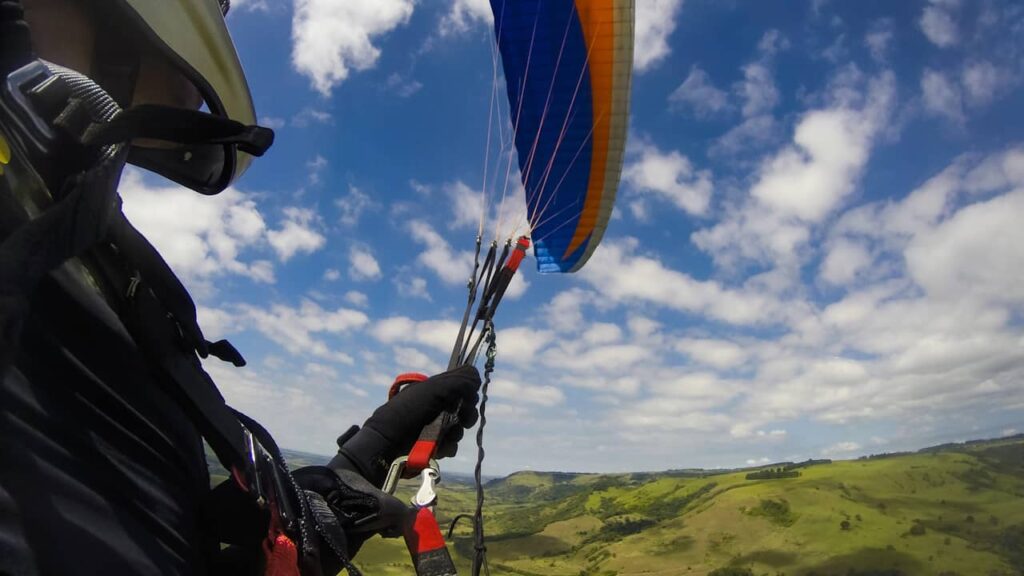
(161, 315)
(36, 247)
(314, 513)
(176, 125)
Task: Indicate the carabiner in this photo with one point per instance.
(397, 471)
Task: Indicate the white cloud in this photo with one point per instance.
(966, 255)
(200, 237)
(771, 43)
(315, 167)
(356, 298)
(699, 94)
(250, 6)
(412, 287)
(655, 22)
(294, 329)
(297, 234)
(997, 172)
(530, 394)
(617, 271)
(758, 89)
(844, 261)
(981, 80)
(937, 23)
(332, 38)
(1008, 432)
(437, 335)
(362, 264)
(467, 205)
(451, 267)
(717, 353)
(403, 87)
(352, 206)
(309, 116)
(464, 14)
(752, 133)
(841, 448)
(830, 148)
(878, 39)
(942, 96)
(670, 176)
(272, 122)
(332, 275)
(415, 360)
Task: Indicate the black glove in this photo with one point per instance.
(395, 426)
(359, 509)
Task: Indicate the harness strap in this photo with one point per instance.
(160, 316)
(426, 546)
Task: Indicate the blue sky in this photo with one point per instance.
(816, 248)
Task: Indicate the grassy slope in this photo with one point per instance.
(968, 500)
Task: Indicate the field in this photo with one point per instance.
(950, 510)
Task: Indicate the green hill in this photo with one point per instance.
(956, 509)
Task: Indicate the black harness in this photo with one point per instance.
(58, 248)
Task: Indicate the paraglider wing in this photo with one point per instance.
(568, 68)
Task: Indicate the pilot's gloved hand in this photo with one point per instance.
(359, 509)
(394, 427)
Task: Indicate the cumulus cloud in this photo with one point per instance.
(942, 96)
(362, 264)
(309, 116)
(464, 14)
(412, 287)
(403, 87)
(717, 353)
(200, 237)
(356, 298)
(981, 81)
(697, 93)
(451, 266)
(804, 182)
(670, 176)
(964, 256)
(298, 234)
(619, 272)
(845, 259)
(528, 393)
(830, 148)
(352, 206)
(330, 39)
(467, 205)
(841, 449)
(437, 335)
(760, 96)
(655, 22)
(878, 39)
(753, 133)
(758, 89)
(937, 23)
(297, 329)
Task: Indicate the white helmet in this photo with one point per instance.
(193, 35)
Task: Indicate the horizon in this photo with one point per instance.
(814, 252)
